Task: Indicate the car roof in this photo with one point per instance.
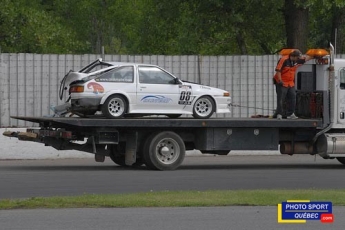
(126, 63)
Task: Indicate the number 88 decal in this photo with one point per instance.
(185, 98)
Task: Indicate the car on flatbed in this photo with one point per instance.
(120, 89)
(161, 143)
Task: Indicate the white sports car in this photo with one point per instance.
(119, 89)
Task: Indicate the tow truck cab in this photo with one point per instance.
(320, 93)
(317, 89)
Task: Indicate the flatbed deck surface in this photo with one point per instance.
(60, 122)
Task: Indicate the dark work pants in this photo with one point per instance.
(287, 94)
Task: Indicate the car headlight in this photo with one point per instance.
(226, 94)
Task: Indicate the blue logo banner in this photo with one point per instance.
(305, 210)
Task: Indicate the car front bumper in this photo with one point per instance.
(223, 104)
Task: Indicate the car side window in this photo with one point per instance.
(154, 75)
(124, 74)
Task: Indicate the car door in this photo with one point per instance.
(157, 91)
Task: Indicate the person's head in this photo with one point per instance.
(295, 55)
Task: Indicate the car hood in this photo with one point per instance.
(204, 88)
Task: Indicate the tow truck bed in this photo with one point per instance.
(63, 122)
(157, 140)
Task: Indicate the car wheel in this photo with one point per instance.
(114, 107)
(203, 107)
(164, 151)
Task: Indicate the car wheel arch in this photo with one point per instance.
(105, 97)
(206, 95)
(111, 93)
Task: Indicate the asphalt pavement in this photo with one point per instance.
(69, 177)
(200, 218)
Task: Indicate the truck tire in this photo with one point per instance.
(117, 155)
(120, 160)
(115, 106)
(341, 160)
(164, 151)
(203, 108)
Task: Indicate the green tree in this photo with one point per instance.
(327, 23)
(213, 27)
(314, 23)
(27, 28)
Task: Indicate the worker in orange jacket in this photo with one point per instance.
(284, 80)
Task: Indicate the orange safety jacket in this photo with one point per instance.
(287, 68)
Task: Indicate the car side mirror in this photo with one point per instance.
(177, 81)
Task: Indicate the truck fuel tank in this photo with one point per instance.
(331, 145)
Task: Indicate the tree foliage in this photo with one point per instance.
(179, 27)
(25, 27)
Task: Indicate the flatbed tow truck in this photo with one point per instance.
(160, 143)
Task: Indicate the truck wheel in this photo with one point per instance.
(114, 107)
(117, 155)
(164, 151)
(120, 160)
(341, 160)
(203, 107)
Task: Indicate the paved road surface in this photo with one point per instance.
(30, 178)
(21, 179)
(210, 218)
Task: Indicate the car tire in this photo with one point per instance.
(115, 106)
(203, 108)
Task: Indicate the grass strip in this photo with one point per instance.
(178, 199)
